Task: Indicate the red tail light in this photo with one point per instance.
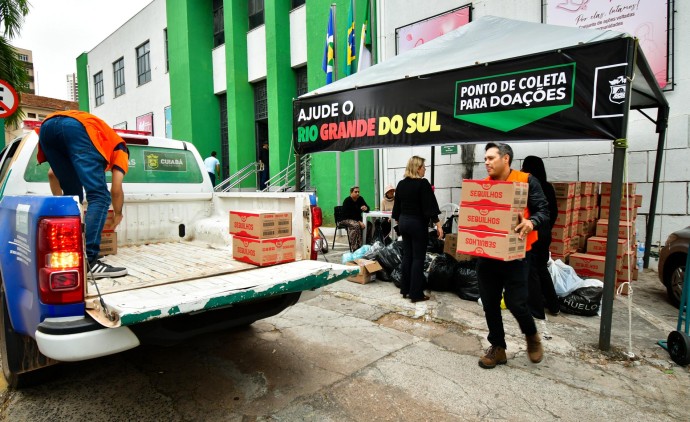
(316, 222)
(60, 261)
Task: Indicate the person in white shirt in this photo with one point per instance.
(212, 166)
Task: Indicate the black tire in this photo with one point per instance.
(679, 347)
(674, 276)
(21, 359)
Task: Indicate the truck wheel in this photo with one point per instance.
(20, 355)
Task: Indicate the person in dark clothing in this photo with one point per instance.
(263, 158)
(415, 206)
(541, 290)
(496, 276)
(353, 207)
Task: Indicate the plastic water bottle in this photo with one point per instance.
(640, 256)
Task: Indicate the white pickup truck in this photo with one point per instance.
(175, 242)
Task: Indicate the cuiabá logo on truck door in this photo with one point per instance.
(511, 100)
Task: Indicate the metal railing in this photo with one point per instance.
(284, 181)
(232, 182)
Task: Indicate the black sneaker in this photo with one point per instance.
(100, 269)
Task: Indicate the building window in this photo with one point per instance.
(23, 57)
(31, 115)
(218, 23)
(301, 75)
(119, 76)
(98, 88)
(143, 63)
(167, 61)
(297, 3)
(256, 13)
(260, 101)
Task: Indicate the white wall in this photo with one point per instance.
(566, 160)
(256, 53)
(153, 96)
(298, 36)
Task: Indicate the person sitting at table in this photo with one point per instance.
(353, 207)
(387, 202)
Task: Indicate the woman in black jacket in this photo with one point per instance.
(541, 289)
(415, 206)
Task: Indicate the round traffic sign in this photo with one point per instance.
(9, 100)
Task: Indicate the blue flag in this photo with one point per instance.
(329, 52)
(351, 48)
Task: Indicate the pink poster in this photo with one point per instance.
(645, 19)
(411, 36)
(145, 123)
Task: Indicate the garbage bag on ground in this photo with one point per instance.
(396, 276)
(576, 296)
(584, 301)
(359, 253)
(466, 280)
(390, 257)
(434, 244)
(441, 277)
(374, 250)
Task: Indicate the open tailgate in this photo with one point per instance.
(160, 301)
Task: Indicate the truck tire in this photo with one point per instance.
(21, 359)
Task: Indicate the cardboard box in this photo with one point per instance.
(587, 188)
(597, 246)
(626, 214)
(582, 244)
(625, 290)
(559, 247)
(588, 265)
(626, 229)
(494, 193)
(500, 246)
(563, 258)
(109, 225)
(583, 214)
(564, 189)
(564, 204)
(367, 271)
(260, 224)
(574, 243)
(626, 201)
(576, 202)
(606, 189)
(488, 219)
(263, 252)
(108, 243)
(450, 246)
(638, 201)
(560, 233)
(563, 218)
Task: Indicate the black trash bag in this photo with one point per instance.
(434, 245)
(383, 275)
(396, 276)
(441, 276)
(374, 250)
(585, 301)
(390, 257)
(448, 225)
(466, 280)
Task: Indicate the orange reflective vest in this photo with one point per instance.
(518, 176)
(111, 146)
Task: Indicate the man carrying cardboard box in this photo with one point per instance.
(495, 276)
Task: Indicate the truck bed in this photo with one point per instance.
(167, 279)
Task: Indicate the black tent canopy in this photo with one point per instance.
(500, 80)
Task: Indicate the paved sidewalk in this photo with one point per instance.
(635, 373)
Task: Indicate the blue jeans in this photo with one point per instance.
(79, 167)
(494, 276)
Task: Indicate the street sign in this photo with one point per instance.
(449, 149)
(9, 100)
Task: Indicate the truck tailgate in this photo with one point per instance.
(191, 290)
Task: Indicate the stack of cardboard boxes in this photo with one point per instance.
(262, 238)
(108, 236)
(488, 215)
(577, 214)
(590, 263)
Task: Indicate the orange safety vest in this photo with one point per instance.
(111, 146)
(519, 176)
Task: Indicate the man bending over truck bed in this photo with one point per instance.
(80, 148)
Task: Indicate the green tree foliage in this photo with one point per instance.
(12, 70)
